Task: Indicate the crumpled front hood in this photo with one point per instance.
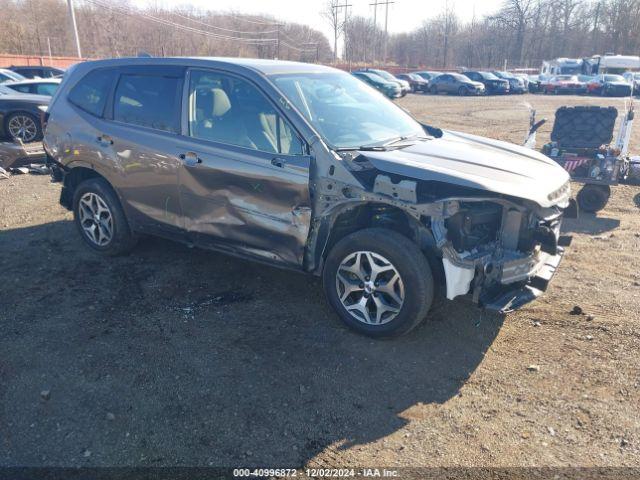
(476, 162)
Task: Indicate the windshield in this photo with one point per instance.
(488, 76)
(613, 78)
(346, 112)
(6, 91)
(385, 75)
(371, 76)
(570, 69)
(460, 77)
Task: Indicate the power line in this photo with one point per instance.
(221, 28)
(127, 11)
(256, 22)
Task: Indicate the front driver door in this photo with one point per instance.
(244, 182)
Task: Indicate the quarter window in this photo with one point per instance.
(229, 110)
(148, 101)
(90, 94)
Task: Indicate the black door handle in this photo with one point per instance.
(278, 162)
(190, 158)
(105, 140)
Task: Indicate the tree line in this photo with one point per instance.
(522, 33)
(113, 28)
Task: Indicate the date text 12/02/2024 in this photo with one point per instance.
(316, 472)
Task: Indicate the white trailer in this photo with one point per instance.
(611, 64)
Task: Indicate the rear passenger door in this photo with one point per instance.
(141, 137)
(244, 181)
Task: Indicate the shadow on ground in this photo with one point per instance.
(590, 224)
(178, 356)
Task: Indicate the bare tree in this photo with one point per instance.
(330, 13)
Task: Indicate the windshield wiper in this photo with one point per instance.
(394, 141)
(364, 148)
(383, 147)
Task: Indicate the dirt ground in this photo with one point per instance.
(178, 356)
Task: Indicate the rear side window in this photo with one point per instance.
(149, 101)
(22, 88)
(91, 93)
(46, 89)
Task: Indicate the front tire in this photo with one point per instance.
(100, 218)
(378, 282)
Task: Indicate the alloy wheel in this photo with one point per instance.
(23, 127)
(95, 219)
(370, 288)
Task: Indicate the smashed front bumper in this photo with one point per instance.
(514, 296)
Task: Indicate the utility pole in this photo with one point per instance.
(74, 26)
(386, 23)
(335, 8)
(49, 47)
(375, 31)
(278, 25)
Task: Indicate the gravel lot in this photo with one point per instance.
(178, 356)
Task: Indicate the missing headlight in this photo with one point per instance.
(474, 225)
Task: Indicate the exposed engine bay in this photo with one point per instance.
(502, 250)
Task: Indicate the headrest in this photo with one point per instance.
(221, 103)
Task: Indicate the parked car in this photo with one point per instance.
(535, 84)
(492, 84)
(389, 89)
(455, 83)
(516, 85)
(263, 162)
(7, 75)
(428, 76)
(416, 82)
(608, 84)
(20, 115)
(565, 84)
(404, 85)
(38, 71)
(36, 86)
(633, 78)
(525, 78)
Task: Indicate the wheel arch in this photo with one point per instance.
(74, 176)
(353, 217)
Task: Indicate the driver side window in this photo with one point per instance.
(230, 110)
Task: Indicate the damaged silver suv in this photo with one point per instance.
(305, 167)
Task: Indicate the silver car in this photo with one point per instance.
(305, 167)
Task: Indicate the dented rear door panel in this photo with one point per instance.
(247, 201)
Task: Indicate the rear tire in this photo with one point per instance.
(380, 303)
(23, 126)
(593, 198)
(100, 218)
